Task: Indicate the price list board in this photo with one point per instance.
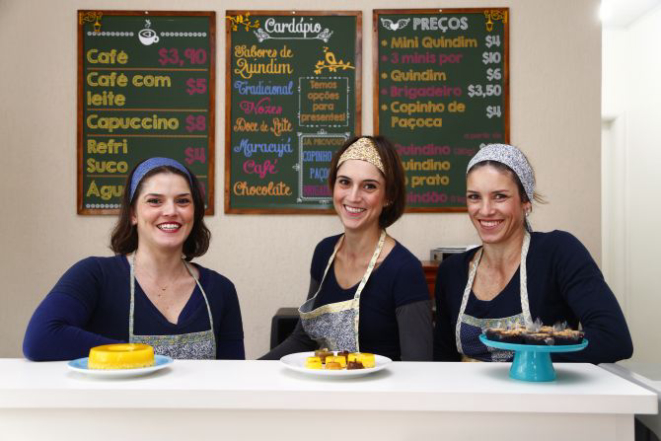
(292, 99)
(146, 87)
(441, 92)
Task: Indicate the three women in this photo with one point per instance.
(367, 292)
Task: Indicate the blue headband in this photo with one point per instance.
(151, 164)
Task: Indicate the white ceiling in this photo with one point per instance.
(621, 13)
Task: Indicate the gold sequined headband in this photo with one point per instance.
(363, 150)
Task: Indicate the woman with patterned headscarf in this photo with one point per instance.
(367, 291)
(518, 276)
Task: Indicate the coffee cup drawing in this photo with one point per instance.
(148, 36)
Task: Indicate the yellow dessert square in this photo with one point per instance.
(368, 360)
(337, 359)
(313, 363)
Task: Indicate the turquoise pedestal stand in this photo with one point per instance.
(532, 362)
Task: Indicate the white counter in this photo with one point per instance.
(202, 400)
(647, 375)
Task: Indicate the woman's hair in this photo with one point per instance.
(505, 169)
(124, 238)
(393, 174)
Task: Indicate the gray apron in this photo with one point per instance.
(469, 328)
(193, 346)
(335, 325)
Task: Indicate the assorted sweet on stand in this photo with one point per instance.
(325, 359)
(536, 334)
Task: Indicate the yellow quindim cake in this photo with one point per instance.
(368, 360)
(121, 356)
(337, 359)
(313, 363)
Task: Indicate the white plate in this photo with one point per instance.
(80, 365)
(296, 362)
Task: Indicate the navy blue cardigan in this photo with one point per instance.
(89, 306)
(564, 284)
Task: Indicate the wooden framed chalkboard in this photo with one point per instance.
(292, 97)
(441, 91)
(146, 87)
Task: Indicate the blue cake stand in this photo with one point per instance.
(532, 362)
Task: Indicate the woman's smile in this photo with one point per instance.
(359, 194)
(164, 212)
(170, 227)
(494, 205)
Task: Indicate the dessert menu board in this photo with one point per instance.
(146, 87)
(292, 99)
(441, 91)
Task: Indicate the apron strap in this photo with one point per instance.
(132, 288)
(330, 262)
(523, 273)
(132, 301)
(372, 264)
(464, 299)
(525, 304)
(363, 282)
(368, 272)
(206, 300)
(355, 306)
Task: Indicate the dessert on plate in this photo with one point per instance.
(329, 360)
(536, 334)
(121, 356)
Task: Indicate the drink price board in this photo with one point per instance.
(146, 87)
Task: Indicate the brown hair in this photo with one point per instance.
(505, 169)
(124, 238)
(394, 176)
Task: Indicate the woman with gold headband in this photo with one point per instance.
(517, 275)
(367, 291)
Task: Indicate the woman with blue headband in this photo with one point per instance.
(148, 292)
(518, 276)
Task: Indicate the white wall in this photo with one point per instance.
(555, 102)
(613, 180)
(632, 104)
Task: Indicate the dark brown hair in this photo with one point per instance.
(124, 238)
(394, 176)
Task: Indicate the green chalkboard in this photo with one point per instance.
(146, 87)
(292, 97)
(441, 91)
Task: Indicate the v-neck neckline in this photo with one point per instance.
(157, 313)
(515, 276)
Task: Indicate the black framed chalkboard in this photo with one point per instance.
(441, 91)
(292, 97)
(146, 87)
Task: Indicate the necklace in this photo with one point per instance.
(163, 288)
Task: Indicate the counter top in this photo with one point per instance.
(268, 385)
(647, 375)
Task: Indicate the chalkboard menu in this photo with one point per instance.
(146, 87)
(292, 99)
(441, 91)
